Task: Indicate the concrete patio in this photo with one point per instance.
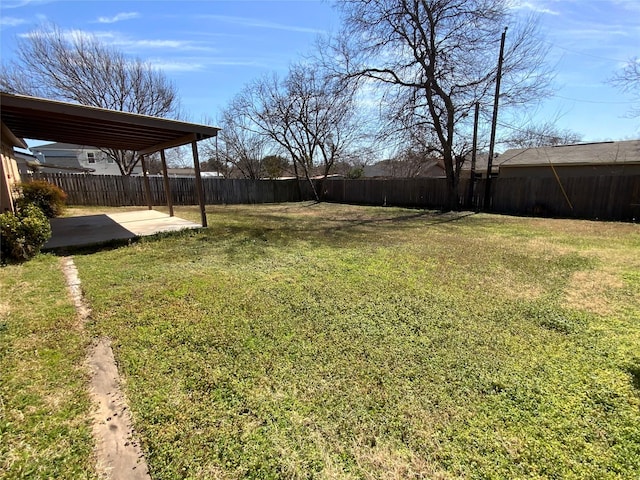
(96, 229)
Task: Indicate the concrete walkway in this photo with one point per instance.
(96, 229)
(117, 449)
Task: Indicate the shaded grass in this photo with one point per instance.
(45, 427)
(330, 341)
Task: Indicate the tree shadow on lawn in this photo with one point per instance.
(121, 242)
(437, 218)
(278, 229)
(250, 233)
(634, 371)
(293, 226)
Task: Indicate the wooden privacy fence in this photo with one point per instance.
(601, 197)
(596, 197)
(405, 192)
(109, 190)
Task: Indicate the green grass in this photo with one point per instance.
(45, 427)
(328, 341)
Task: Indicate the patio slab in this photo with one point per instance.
(96, 229)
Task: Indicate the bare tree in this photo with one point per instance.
(179, 157)
(308, 115)
(411, 163)
(438, 58)
(627, 80)
(239, 144)
(541, 135)
(76, 67)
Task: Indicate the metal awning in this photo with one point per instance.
(54, 121)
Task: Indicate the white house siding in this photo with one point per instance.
(77, 156)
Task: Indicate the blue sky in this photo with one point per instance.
(210, 49)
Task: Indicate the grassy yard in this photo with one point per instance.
(45, 429)
(329, 341)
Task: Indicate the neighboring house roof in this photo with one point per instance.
(482, 161)
(181, 172)
(190, 172)
(29, 163)
(405, 169)
(22, 160)
(51, 167)
(67, 160)
(602, 153)
(376, 170)
(62, 146)
(63, 150)
(23, 155)
(63, 157)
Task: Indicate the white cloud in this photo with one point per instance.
(11, 21)
(119, 17)
(631, 5)
(535, 6)
(237, 63)
(253, 22)
(149, 44)
(173, 44)
(69, 35)
(23, 3)
(116, 39)
(176, 66)
(201, 64)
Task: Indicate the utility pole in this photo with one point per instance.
(472, 180)
(494, 122)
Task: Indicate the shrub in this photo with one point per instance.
(355, 173)
(48, 197)
(23, 234)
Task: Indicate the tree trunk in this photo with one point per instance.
(452, 194)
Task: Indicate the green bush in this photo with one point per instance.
(355, 173)
(48, 197)
(23, 234)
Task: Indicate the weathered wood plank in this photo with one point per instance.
(602, 197)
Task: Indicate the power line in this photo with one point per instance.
(576, 52)
(592, 101)
(525, 131)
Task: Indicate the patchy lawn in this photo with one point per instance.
(329, 341)
(45, 429)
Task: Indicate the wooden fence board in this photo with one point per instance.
(601, 197)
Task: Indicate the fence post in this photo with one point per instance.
(165, 179)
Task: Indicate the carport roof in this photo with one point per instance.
(50, 120)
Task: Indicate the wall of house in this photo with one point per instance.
(101, 163)
(80, 157)
(545, 171)
(9, 177)
(21, 160)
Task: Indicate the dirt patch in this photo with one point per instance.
(396, 463)
(548, 249)
(587, 291)
(118, 454)
(5, 309)
(586, 228)
(513, 287)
